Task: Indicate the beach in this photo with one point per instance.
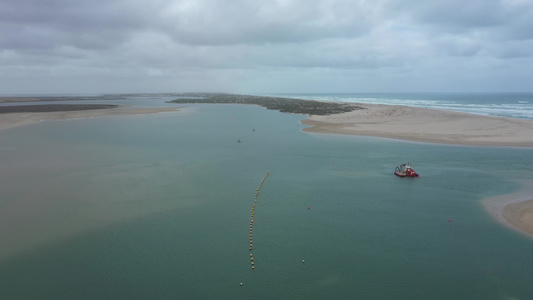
(426, 125)
(514, 210)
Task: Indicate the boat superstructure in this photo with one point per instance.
(405, 170)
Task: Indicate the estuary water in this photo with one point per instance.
(159, 207)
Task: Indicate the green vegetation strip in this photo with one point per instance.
(286, 105)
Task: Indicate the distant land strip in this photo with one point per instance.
(107, 97)
(52, 108)
(286, 105)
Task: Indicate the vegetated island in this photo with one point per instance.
(286, 105)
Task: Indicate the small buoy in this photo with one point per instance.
(303, 261)
(250, 254)
(250, 248)
(241, 283)
(308, 208)
(449, 220)
(252, 259)
(253, 268)
(252, 263)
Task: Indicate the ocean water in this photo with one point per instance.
(513, 105)
(159, 206)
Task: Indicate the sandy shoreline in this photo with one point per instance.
(11, 120)
(514, 210)
(426, 125)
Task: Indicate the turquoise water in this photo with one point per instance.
(158, 207)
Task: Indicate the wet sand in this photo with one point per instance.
(514, 210)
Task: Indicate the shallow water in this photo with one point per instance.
(158, 207)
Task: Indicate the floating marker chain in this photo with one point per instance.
(252, 219)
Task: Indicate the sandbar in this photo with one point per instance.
(10, 120)
(514, 210)
(425, 125)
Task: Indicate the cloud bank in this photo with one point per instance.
(67, 46)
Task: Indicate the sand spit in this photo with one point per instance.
(514, 210)
(425, 125)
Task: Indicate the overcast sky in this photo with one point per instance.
(248, 46)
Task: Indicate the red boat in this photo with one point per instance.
(405, 170)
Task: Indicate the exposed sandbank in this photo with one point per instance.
(426, 125)
(10, 120)
(514, 210)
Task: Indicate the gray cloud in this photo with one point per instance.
(265, 46)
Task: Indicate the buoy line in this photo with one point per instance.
(252, 219)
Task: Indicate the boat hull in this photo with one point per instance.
(406, 175)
